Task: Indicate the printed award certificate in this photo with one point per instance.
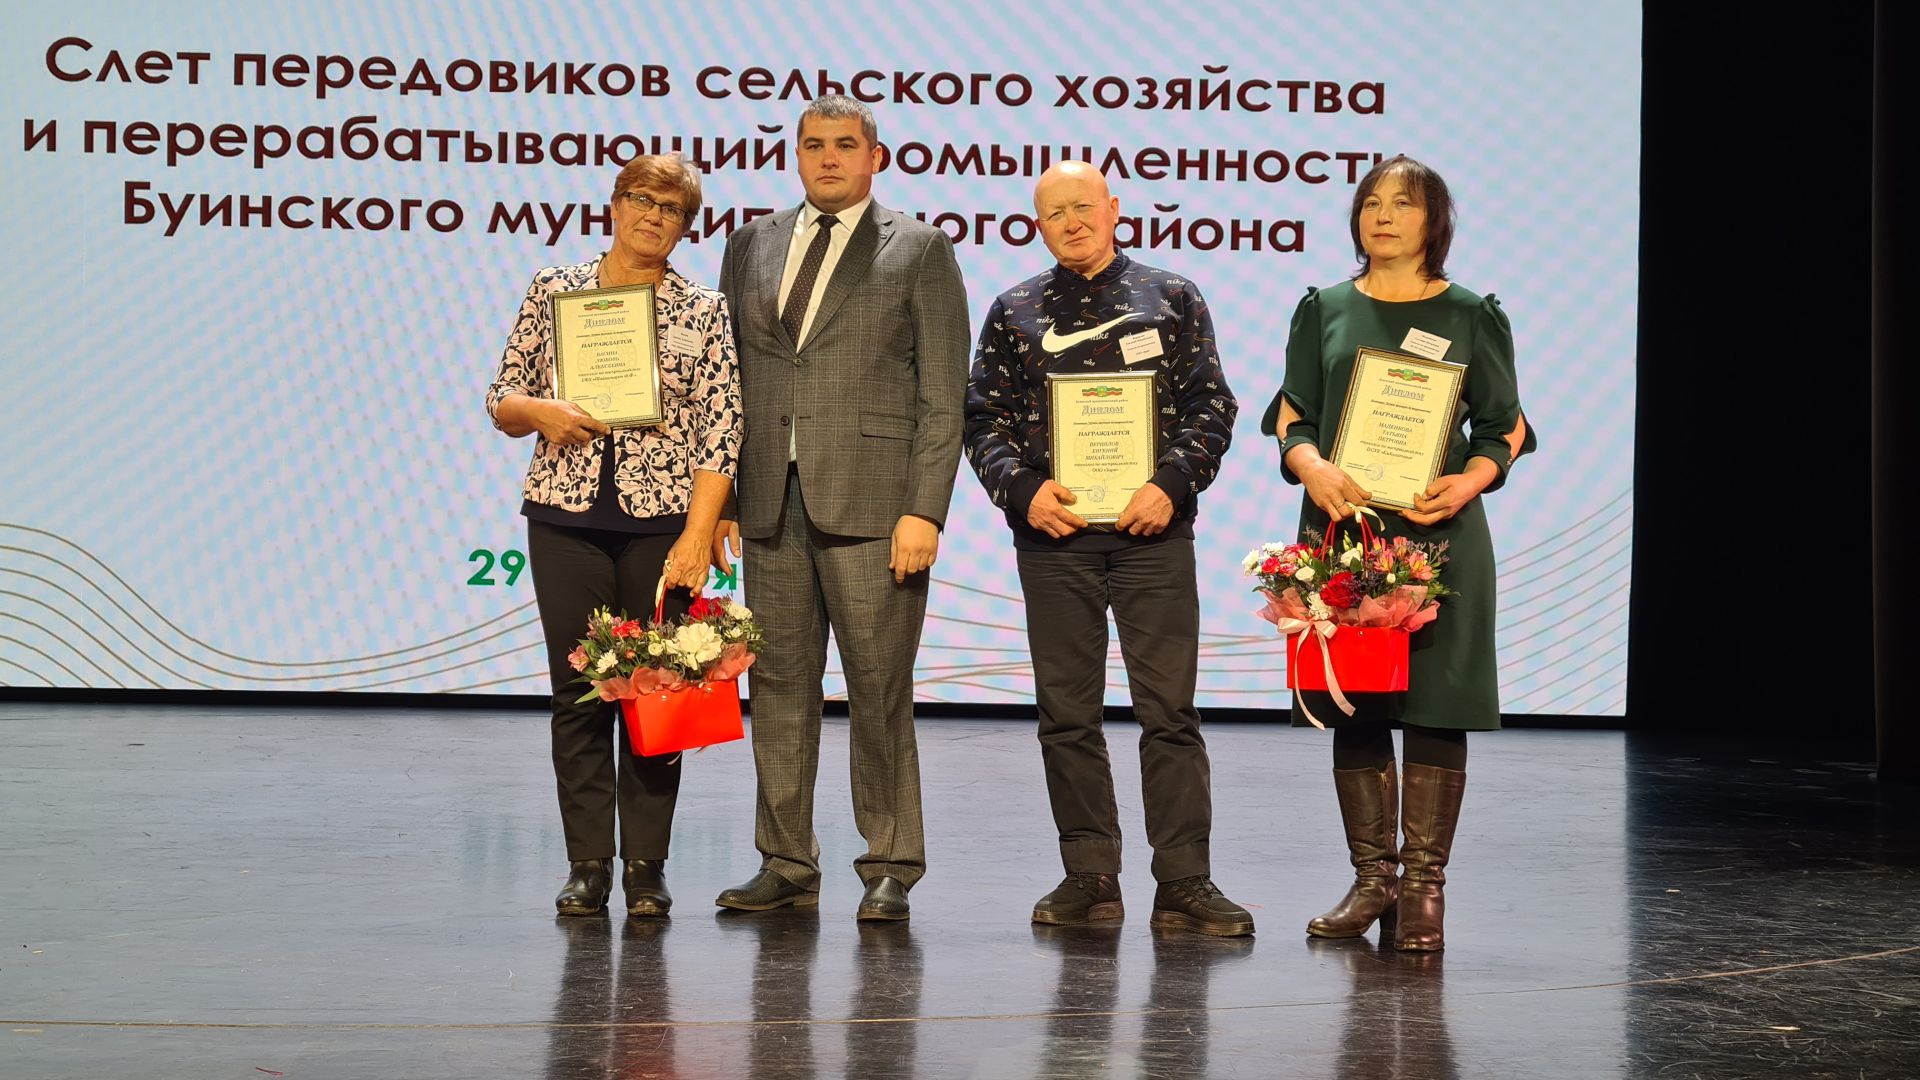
(1395, 424)
(605, 356)
(1104, 437)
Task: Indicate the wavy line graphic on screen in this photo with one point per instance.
(1054, 341)
(1595, 548)
(5, 527)
(160, 653)
(1577, 531)
(1609, 675)
(78, 595)
(1585, 562)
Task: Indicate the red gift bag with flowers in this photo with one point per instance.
(687, 717)
(678, 684)
(1347, 615)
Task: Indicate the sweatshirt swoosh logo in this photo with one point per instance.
(1054, 342)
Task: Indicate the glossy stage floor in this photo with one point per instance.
(232, 893)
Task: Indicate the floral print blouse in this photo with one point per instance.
(699, 388)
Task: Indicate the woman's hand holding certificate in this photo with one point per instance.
(606, 357)
(1395, 425)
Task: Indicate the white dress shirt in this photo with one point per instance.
(803, 228)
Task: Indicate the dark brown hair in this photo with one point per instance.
(1429, 192)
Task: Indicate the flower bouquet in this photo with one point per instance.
(677, 683)
(1360, 605)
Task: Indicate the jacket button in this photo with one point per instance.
(786, 421)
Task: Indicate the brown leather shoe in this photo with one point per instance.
(587, 888)
(766, 891)
(1429, 814)
(645, 883)
(1193, 903)
(886, 900)
(1370, 808)
(1081, 898)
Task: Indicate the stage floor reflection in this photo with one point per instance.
(199, 892)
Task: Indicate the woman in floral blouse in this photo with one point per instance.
(607, 510)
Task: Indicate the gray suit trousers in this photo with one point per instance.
(801, 582)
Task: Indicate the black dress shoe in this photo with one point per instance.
(886, 899)
(1081, 898)
(645, 883)
(765, 892)
(1193, 903)
(587, 888)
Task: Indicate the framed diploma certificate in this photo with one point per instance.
(1104, 439)
(1395, 424)
(606, 356)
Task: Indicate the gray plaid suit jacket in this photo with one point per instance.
(878, 388)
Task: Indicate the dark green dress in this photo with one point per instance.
(1454, 681)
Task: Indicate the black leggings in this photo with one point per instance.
(1370, 746)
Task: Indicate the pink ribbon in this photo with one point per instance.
(643, 681)
(733, 663)
(1322, 630)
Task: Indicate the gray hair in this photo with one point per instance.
(841, 107)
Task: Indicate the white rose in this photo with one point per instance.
(1305, 573)
(606, 663)
(1317, 609)
(1273, 549)
(1254, 558)
(698, 643)
(655, 648)
(1391, 578)
(738, 611)
(1350, 557)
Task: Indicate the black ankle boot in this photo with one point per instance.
(587, 888)
(645, 883)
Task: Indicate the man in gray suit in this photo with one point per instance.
(851, 322)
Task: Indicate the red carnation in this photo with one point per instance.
(702, 608)
(627, 629)
(1271, 566)
(1340, 591)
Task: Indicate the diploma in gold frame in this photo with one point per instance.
(1104, 438)
(606, 356)
(1395, 424)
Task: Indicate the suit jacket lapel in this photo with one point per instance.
(770, 264)
(872, 234)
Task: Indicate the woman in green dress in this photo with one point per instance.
(1402, 226)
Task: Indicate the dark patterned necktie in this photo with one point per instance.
(801, 295)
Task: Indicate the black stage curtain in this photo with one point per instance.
(1752, 584)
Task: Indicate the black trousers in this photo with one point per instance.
(1150, 589)
(575, 571)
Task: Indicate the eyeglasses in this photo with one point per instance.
(642, 205)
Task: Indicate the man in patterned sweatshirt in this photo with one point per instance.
(1099, 311)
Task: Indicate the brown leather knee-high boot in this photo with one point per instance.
(1429, 814)
(1369, 806)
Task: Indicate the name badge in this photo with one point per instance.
(682, 340)
(1422, 344)
(1141, 347)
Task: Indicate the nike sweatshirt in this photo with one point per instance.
(1060, 323)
